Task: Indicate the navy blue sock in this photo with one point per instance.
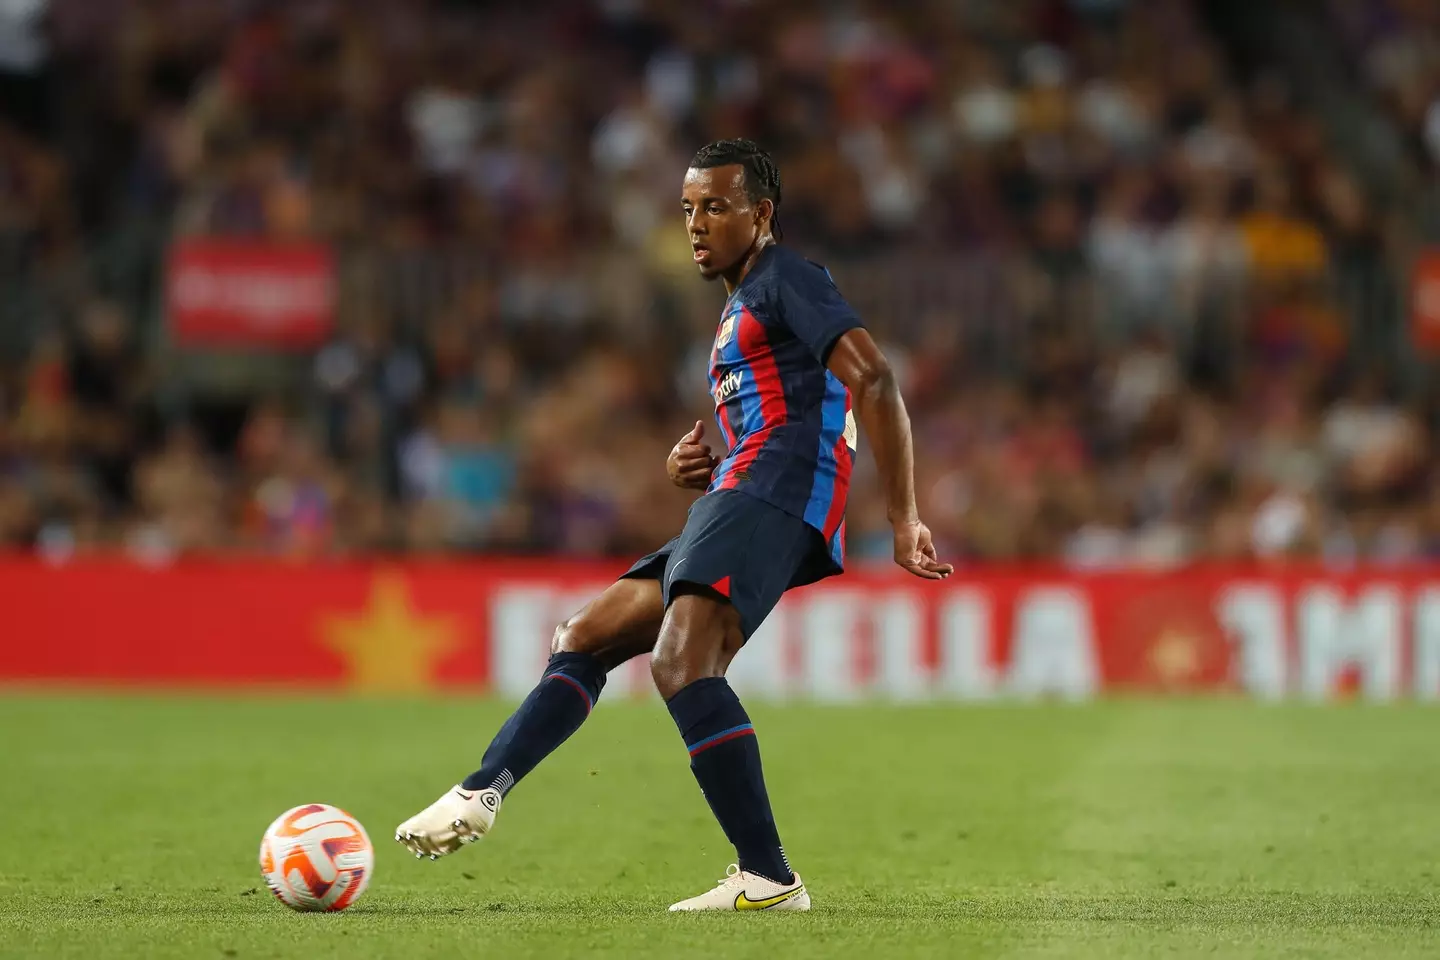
(555, 709)
(725, 758)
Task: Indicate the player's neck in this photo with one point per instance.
(736, 275)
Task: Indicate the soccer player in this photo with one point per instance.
(790, 358)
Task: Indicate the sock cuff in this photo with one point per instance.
(579, 670)
(708, 713)
(699, 690)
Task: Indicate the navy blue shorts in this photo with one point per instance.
(743, 548)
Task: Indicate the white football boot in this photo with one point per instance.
(746, 891)
(459, 817)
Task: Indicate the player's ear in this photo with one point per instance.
(764, 211)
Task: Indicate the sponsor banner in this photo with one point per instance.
(1425, 302)
(487, 625)
(250, 294)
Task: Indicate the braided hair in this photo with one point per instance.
(762, 176)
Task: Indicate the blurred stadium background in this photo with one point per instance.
(321, 281)
(1150, 269)
(342, 343)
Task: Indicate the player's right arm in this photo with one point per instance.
(858, 363)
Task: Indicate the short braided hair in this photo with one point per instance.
(762, 176)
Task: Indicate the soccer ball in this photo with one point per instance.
(316, 857)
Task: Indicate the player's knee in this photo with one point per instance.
(576, 635)
(674, 666)
(692, 645)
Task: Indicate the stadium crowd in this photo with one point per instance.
(1143, 310)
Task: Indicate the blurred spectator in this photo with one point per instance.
(1281, 244)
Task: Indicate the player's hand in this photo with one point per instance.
(915, 551)
(690, 463)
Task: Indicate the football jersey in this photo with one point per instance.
(785, 418)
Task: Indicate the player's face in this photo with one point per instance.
(722, 221)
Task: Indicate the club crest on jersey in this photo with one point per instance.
(727, 332)
(726, 386)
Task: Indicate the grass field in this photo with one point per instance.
(129, 827)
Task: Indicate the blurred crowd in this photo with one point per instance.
(1143, 309)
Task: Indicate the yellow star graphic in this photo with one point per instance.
(1175, 655)
(390, 647)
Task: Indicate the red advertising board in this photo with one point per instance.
(222, 292)
(1425, 302)
(487, 625)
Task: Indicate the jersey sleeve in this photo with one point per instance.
(812, 307)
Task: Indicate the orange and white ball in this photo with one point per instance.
(316, 858)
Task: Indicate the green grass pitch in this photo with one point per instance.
(129, 828)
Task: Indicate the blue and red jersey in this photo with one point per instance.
(786, 419)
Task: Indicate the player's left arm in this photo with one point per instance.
(859, 364)
(817, 314)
